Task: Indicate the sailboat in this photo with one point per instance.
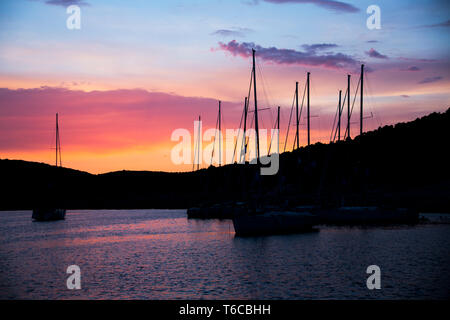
(49, 214)
(266, 222)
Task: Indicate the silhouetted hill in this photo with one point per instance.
(25, 184)
(404, 165)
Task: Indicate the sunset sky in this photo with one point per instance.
(138, 70)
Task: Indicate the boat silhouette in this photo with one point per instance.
(265, 221)
(49, 214)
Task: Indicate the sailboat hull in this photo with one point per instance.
(48, 214)
(273, 223)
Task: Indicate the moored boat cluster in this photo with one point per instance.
(275, 220)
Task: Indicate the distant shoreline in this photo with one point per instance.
(405, 165)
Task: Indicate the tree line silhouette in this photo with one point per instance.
(402, 165)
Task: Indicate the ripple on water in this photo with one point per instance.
(159, 254)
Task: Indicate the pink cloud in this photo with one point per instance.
(98, 120)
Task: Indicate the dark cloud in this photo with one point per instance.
(372, 41)
(233, 32)
(319, 46)
(66, 3)
(438, 25)
(417, 59)
(338, 6)
(290, 56)
(250, 2)
(404, 96)
(375, 54)
(430, 80)
(412, 68)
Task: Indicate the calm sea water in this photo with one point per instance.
(159, 254)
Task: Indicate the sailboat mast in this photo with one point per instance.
(296, 112)
(307, 85)
(56, 142)
(198, 143)
(220, 136)
(278, 131)
(361, 104)
(278, 120)
(245, 127)
(58, 145)
(256, 107)
(348, 106)
(340, 114)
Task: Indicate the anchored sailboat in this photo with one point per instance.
(48, 214)
(262, 222)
